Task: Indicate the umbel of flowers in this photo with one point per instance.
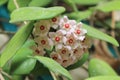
(65, 38)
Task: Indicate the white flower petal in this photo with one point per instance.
(50, 42)
(64, 40)
(81, 38)
(55, 26)
(65, 18)
(51, 34)
(58, 46)
(62, 31)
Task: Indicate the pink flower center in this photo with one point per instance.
(70, 41)
(55, 58)
(43, 42)
(42, 27)
(54, 19)
(57, 39)
(78, 31)
(67, 25)
(75, 51)
(63, 51)
(64, 61)
(37, 51)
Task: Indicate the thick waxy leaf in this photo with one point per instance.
(23, 52)
(53, 66)
(40, 70)
(25, 67)
(20, 55)
(35, 13)
(21, 3)
(87, 2)
(109, 6)
(99, 35)
(104, 78)
(2, 2)
(17, 77)
(21, 61)
(98, 67)
(80, 62)
(15, 43)
(40, 3)
(80, 15)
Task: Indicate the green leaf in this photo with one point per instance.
(53, 66)
(98, 67)
(20, 55)
(35, 13)
(2, 2)
(87, 2)
(104, 78)
(25, 67)
(23, 52)
(109, 6)
(21, 3)
(21, 61)
(40, 70)
(15, 43)
(17, 77)
(99, 35)
(80, 15)
(40, 3)
(80, 62)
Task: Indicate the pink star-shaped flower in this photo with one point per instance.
(58, 38)
(80, 32)
(65, 51)
(71, 40)
(56, 56)
(67, 24)
(42, 27)
(44, 42)
(68, 61)
(78, 52)
(38, 50)
(55, 22)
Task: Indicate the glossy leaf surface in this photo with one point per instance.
(53, 66)
(79, 62)
(25, 67)
(20, 3)
(99, 35)
(35, 13)
(40, 3)
(98, 67)
(109, 6)
(15, 43)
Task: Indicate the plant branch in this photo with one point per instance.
(113, 24)
(1, 77)
(17, 6)
(5, 74)
(72, 4)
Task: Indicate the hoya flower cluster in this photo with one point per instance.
(67, 36)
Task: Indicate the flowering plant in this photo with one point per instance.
(66, 39)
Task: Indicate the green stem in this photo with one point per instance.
(74, 7)
(72, 4)
(7, 75)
